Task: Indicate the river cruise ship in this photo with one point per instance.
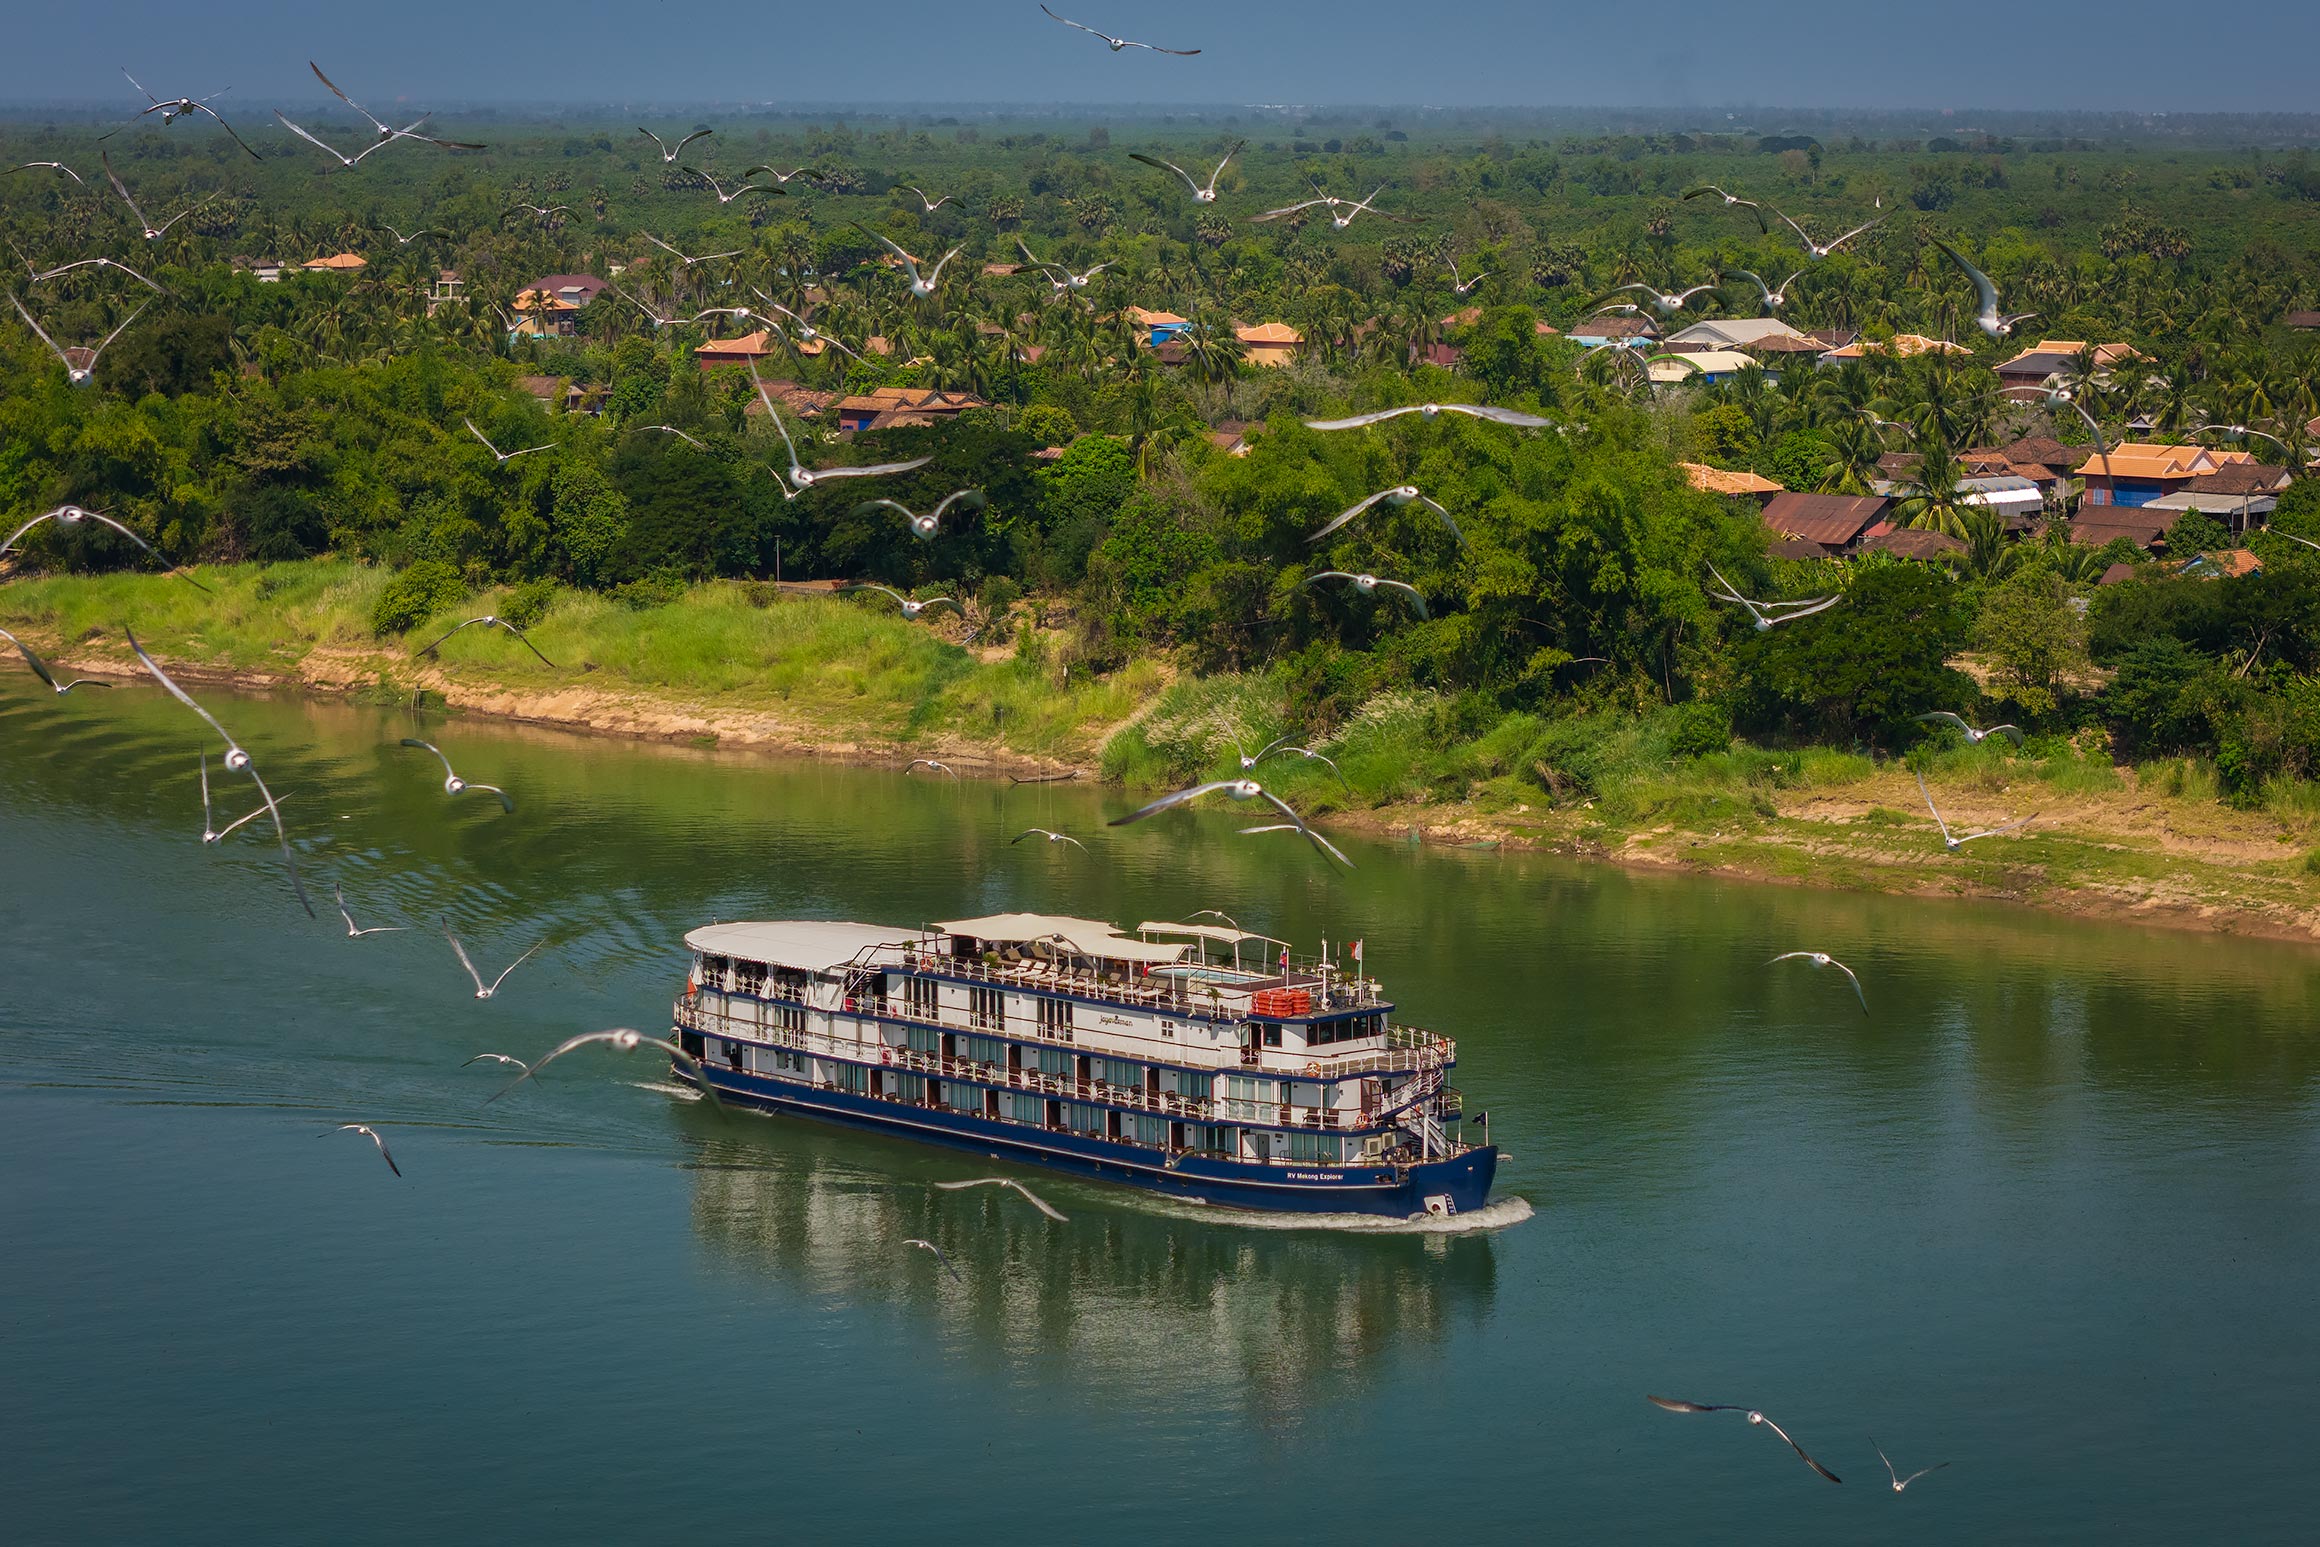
(1192, 1059)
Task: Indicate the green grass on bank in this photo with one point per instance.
(839, 668)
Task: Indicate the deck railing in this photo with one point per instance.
(1407, 1048)
(1211, 1109)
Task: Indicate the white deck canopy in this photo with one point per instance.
(1216, 932)
(810, 944)
(1082, 937)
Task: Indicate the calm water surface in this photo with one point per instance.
(2053, 1214)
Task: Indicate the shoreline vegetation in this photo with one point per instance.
(785, 671)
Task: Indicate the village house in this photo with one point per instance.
(1270, 343)
(1832, 523)
(2138, 472)
(2027, 376)
(2045, 461)
(2239, 494)
(1623, 332)
(1740, 333)
(793, 398)
(1904, 542)
(1714, 480)
(887, 408)
(1154, 327)
(549, 304)
(711, 353)
(1901, 346)
(1703, 365)
(337, 263)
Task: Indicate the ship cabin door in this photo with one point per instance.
(1260, 1145)
(1015, 1058)
(1152, 1082)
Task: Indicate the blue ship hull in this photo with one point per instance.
(1393, 1191)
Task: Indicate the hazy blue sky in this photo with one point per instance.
(2131, 54)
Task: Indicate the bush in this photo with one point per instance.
(661, 589)
(528, 603)
(760, 593)
(1699, 729)
(999, 593)
(416, 595)
(1047, 424)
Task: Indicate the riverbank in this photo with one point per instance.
(816, 676)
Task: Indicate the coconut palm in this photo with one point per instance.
(1930, 497)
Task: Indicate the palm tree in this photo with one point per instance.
(1931, 499)
(1854, 448)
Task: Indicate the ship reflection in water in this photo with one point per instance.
(1262, 1312)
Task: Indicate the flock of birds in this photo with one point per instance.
(794, 329)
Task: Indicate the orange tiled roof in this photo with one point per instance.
(2131, 459)
(1714, 480)
(1902, 344)
(340, 263)
(1269, 333)
(2104, 354)
(758, 343)
(1144, 317)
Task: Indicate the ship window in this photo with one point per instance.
(986, 1007)
(1195, 1087)
(921, 997)
(1207, 1138)
(1053, 1060)
(1248, 1097)
(981, 1050)
(1029, 1107)
(1082, 1118)
(852, 1077)
(1146, 1129)
(1321, 1148)
(1055, 1018)
(962, 1098)
(910, 1087)
(788, 1017)
(921, 1039)
(1118, 1071)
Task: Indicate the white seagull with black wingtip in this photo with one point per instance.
(481, 991)
(1400, 495)
(1434, 411)
(1238, 789)
(622, 1039)
(1677, 1405)
(1119, 43)
(75, 375)
(1200, 194)
(453, 784)
(1953, 844)
(668, 155)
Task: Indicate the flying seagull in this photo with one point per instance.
(1460, 284)
(1953, 844)
(1824, 959)
(806, 332)
(810, 174)
(227, 831)
(102, 263)
(1973, 736)
(1282, 749)
(40, 669)
(1900, 1482)
(910, 609)
(209, 832)
(2061, 398)
(929, 526)
(1011, 1185)
(1661, 301)
(1401, 494)
(353, 932)
(1049, 834)
(1767, 614)
(173, 108)
(541, 210)
(930, 205)
(682, 259)
(236, 759)
(658, 321)
(1431, 411)
(1369, 585)
(626, 1041)
(922, 288)
(74, 375)
(670, 429)
(1342, 211)
(74, 515)
(1238, 789)
(668, 155)
(153, 233)
(1775, 297)
(500, 456)
(453, 784)
(490, 620)
(1732, 201)
(1069, 280)
(928, 762)
(497, 1058)
(1200, 194)
(386, 133)
(53, 166)
(372, 1134)
(1989, 319)
(800, 477)
(481, 992)
(938, 1256)
(1119, 43)
(1676, 1405)
(1820, 250)
(404, 241)
(743, 189)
